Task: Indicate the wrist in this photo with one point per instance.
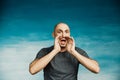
(73, 51)
(55, 50)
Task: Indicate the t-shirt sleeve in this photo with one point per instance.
(40, 54)
(82, 52)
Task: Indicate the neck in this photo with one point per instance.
(63, 49)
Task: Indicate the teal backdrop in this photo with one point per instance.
(26, 26)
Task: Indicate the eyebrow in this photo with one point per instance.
(67, 30)
(61, 30)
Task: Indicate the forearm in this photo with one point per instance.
(41, 63)
(90, 64)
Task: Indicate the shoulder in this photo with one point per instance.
(44, 51)
(47, 49)
(81, 51)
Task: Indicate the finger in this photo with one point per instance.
(57, 37)
(67, 37)
(70, 37)
(70, 41)
(73, 41)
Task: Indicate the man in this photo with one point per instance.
(61, 61)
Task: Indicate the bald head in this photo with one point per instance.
(61, 24)
(61, 29)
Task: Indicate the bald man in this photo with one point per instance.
(61, 61)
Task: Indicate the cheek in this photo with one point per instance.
(58, 34)
(68, 34)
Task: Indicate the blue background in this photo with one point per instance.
(26, 26)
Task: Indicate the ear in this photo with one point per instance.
(53, 34)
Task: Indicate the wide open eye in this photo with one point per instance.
(67, 31)
(58, 32)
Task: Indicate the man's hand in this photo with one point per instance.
(56, 44)
(70, 44)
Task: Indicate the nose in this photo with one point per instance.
(63, 34)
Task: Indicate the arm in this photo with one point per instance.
(41, 63)
(90, 64)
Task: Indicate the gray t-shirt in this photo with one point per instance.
(63, 66)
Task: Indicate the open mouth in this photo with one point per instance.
(63, 41)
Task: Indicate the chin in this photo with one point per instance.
(62, 46)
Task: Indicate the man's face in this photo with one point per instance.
(62, 30)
